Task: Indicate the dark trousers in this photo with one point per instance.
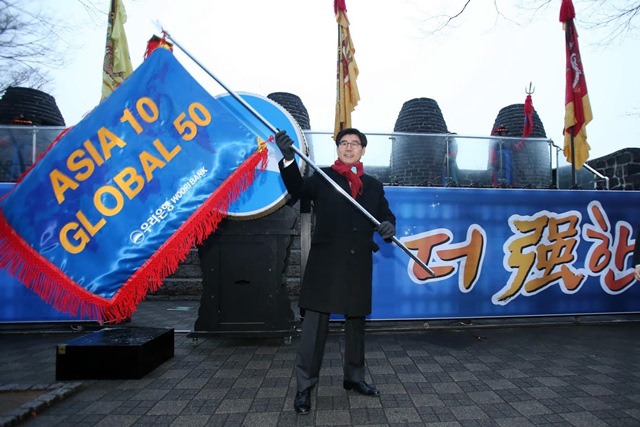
(315, 327)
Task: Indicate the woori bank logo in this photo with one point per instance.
(136, 237)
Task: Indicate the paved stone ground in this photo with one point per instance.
(568, 372)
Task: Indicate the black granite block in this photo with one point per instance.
(114, 353)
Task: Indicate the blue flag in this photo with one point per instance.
(117, 201)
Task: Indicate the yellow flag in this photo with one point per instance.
(117, 63)
(347, 95)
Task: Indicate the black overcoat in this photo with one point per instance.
(337, 277)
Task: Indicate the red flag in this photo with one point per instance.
(347, 95)
(577, 107)
(528, 117)
(156, 42)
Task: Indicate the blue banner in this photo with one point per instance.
(498, 252)
(117, 202)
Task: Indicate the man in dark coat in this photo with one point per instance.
(338, 274)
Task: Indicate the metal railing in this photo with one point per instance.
(21, 146)
(585, 177)
(449, 160)
(395, 158)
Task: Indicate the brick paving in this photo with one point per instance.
(567, 372)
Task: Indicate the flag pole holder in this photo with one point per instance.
(574, 184)
(301, 154)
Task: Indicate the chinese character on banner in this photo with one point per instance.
(541, 253)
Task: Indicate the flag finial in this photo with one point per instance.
(530, 90)
(339, 5)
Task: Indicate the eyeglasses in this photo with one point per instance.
(345, 144)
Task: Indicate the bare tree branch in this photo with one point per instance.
(31, 43)
(616, 18)
(448, 19)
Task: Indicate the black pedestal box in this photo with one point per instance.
(243, 263)
(114, 353)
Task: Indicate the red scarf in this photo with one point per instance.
(352, 173)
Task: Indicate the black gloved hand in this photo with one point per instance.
(386, 230)
(285, 144)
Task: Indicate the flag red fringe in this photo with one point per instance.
(20, 260)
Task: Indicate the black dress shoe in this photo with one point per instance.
(361, 387)
(302, 402)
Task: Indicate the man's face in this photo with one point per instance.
(350, 149)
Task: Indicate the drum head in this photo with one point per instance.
(267, 193)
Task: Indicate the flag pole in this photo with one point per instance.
(573, 161)
(302, 155)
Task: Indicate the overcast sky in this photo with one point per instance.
(475, 67)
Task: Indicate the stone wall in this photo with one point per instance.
(530, 161)
(418, 161)
(621, 167)
(512, 116)
(185, 283)
(27, 106)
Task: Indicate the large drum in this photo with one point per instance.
(267, 193)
